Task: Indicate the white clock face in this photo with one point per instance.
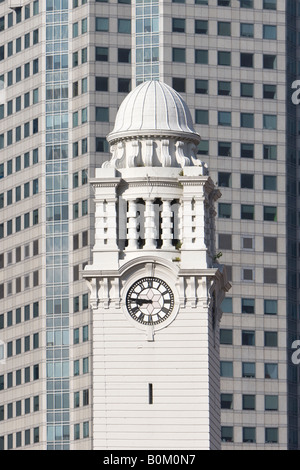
(150, 301)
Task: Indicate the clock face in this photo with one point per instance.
(150, 301)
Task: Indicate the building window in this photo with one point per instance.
(224, 149)
(84, 116)
(102, 24)
(84, 55)
(101, 54)
(249, 435)
(270, 213)
(249, 402)
(178, 25)
(178, 54)
(201, 26)
(35, 66)
(246, 60)
(227, 433)
(101, 83)
(270, 121)
(225, 336)
(124, 26)
(270, 183)
(224, 118)
(101, 144)
(35, 36)
(270, 338)
(76, 368)
(270, 275)
(124, 56)
(247, 150)
(201, 116)
(226, 401)
(224, 28)
(271, 435)
(76, 304)
(85, 333)
(248, 338)
(271, 371)
(248, 370)
(85, 365)
(270, 307)
(247, 274)
(247, 181)
(247, 120)
(84, 84)
(269, 32)
(225, 241)
(226, 369)
(86, 429)
(248, 306)
(270, 4)
(270, 245)
(76, 336)
(179, 84)
(269, 61)
(224, 58)
(247, 243)
(246, 3)
(124, 85)
(76, 431)
(36, 435)
(201, 56)
(102, 114)
(270, 152)
(83, 25)
(224, 88)
(35, 217)
(247, 30)
(224, 210)
(247, 211)
(85, 400)
(271, 403)
(75, 30)
(247, 90)
(269, 92)
(203, 147)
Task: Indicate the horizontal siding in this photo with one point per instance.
(176, 363)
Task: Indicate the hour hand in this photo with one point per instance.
(141, 301)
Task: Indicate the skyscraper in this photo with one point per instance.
(65, 68)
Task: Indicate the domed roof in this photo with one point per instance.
(153, 108)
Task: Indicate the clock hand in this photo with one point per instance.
(141, 301)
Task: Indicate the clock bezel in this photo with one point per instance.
(171, 300)
(159, 274)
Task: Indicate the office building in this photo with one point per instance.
(66, 66)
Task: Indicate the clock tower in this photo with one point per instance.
(155, 284)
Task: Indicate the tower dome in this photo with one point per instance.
(153, 128)
(153, 108)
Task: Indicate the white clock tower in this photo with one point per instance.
(155, 285)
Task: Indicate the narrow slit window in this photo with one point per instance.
(150, 393)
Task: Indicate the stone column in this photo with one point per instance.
(149, 224)
(167, 225)
(100, 224)
(111, 224)
(132, 234)
(199, 223)
(187, 224)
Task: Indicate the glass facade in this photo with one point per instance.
(57, 226)
(147, 40)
